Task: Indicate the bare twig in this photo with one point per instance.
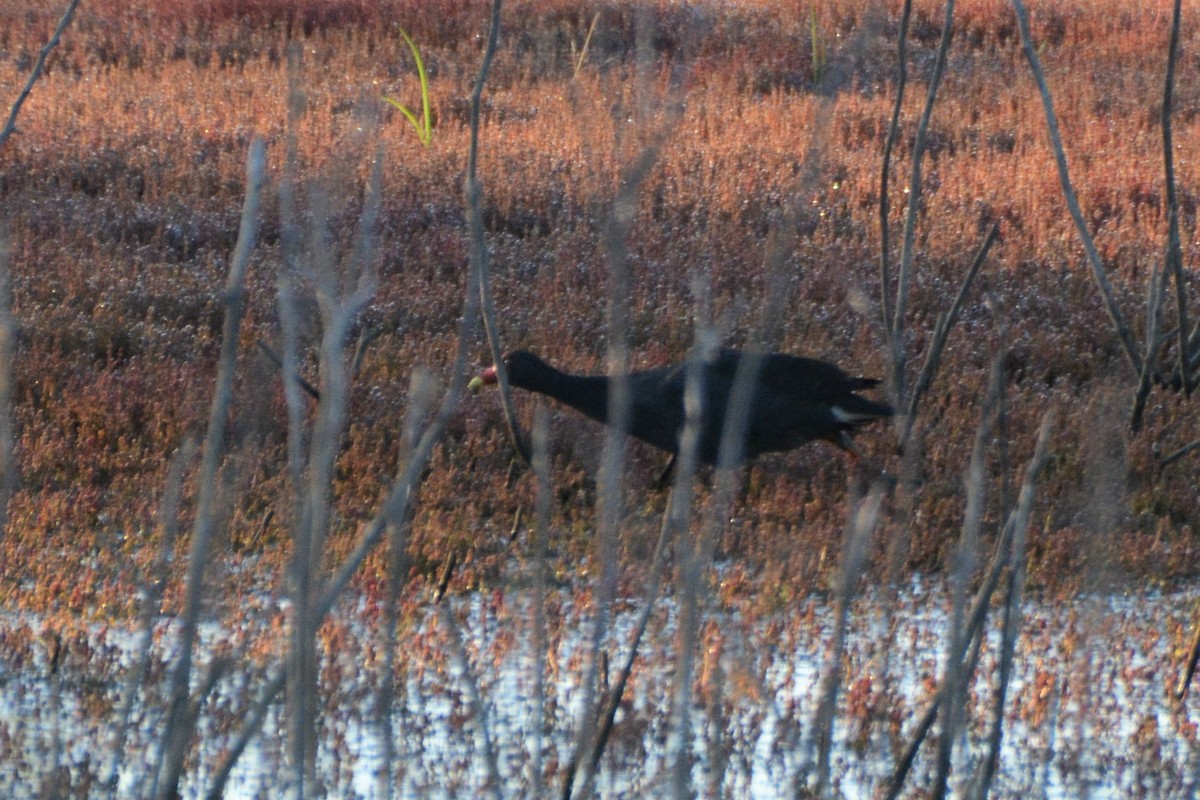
(537, 599)
(904, 278)
(1124, 334)
(1189, 668)
(691, 562)
(973, 630)
(396, 505)
(1155, 298)
(341, 300)
(151, 601)
(885, 256)
(612, 459)
(486, 744)
(612, 701)
(578, 55)
(11, 124)
(479, 253)
(277, 360)
(933, 355)
(8, 346)
(177, 731)
(1168, 460)
(860, 528)
(1012, 608)
(955, 679)
(1174, 250)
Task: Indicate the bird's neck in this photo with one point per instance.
(587, 394)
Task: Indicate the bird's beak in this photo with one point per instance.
(483, 378)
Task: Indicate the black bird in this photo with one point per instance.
(795, 401)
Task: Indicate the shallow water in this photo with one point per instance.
(1088, 712)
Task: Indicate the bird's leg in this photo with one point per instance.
(843, 440)
(856, 455)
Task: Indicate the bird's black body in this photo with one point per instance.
(795, 400)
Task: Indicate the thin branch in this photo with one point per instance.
(1001, 558)
(1012, 624)
(252, 722)
(9, 469)
(690, 560)
(1168, 460)
(486, 744)
(955, 678)
(1132, 353)
(1189, 668)
(396, 505)
(151, 592)
(479, 252)
(860, 528)
(615, 243)
(1174, 250)
(885, 269)
(277, 360)
(539, 590)
(612, 702)
(11, 124)
(177, 732)
(904, 279)
(1155, 298)
(941, 333)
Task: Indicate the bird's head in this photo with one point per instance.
(517, 364)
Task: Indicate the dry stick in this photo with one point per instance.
(1189, 668)
(616, 693)
(1166, 461)
(8, 343)
(1012, 607)
(11, 124)
(860, 527)
(773, 307)
(1060, 159)
(1174, 250)
(479, 246)
(612, 454)
(366, 338)
(252, 723)
(478, 711)
(885, 268)
(954, 679)
(538, 595)
(674, 523)
(1155, 298)
(690, 562)
(396, 505)
(277, 360)
(978, 615)
(338, 312)
(904, 279)
(946, 321)
(152, 593)
(176, 734)
(291, 250)
(421, 390)
(609, 504)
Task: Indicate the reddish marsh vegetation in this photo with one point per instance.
(122, 190)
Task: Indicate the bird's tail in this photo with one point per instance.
(854, 411)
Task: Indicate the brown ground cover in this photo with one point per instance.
(121, 193)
